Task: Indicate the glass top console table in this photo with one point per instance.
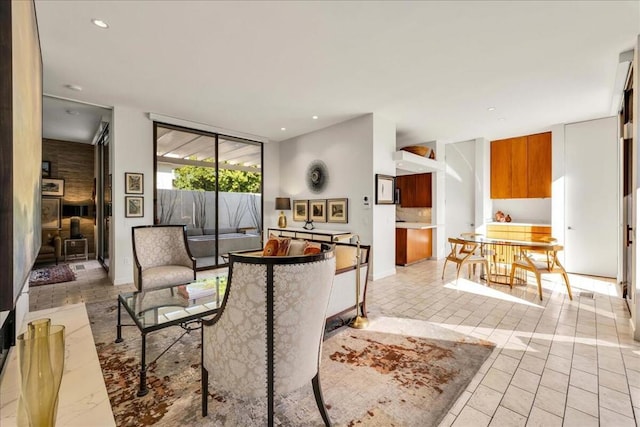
(185, 306)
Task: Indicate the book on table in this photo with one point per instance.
(200, 289)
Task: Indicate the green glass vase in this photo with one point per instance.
(40, 364)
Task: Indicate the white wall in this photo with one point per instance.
(460, 188)
(537, 211)
(349, 150)
(484, 204)
(384, 216)
(131, 151)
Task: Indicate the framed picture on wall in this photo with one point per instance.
(51, 213)
(318, 210)
(52, 187)
(300, 211)
(338, 210)
(385, 189)
(134, 207)
(46, 169)
(133, 183)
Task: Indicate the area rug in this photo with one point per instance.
(51, 274)
(398, 372)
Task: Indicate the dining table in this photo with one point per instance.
(501, 253)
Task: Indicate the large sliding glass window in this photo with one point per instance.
(212, 184)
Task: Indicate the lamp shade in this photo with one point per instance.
(283, 203)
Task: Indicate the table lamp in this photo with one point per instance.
(283, 203)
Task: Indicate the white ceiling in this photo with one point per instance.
(71, 121)
(433, 68)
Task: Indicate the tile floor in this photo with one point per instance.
(556, 362)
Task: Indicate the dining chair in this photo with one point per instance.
(464, 252)
(529, 259)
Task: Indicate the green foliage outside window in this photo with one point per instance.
(203, 178)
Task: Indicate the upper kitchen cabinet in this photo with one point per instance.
(415, 190)
(521, 167)
(539, 165)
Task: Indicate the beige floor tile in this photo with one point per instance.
(507, 418)
(470, 417)
(610, 418)
(575, 418)
(583, 400)
(485, 399)
(550, 400)
(615, 401)
(542, 418)
(584, 380)
(518, 400)
(497, 380)
(526, 380)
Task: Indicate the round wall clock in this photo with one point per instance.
(317, 176)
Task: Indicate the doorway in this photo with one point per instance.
(73, 134)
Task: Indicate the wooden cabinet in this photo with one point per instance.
(521, 167)
(415, 190)
(412, 245)
(539, 165)
(524, 233)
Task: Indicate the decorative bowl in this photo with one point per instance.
(417, 149)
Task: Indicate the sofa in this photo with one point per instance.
(343, 294)
(202, 242)
(50, 248)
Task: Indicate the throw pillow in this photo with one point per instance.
(271, 248)
(296, 247)
(283, 246)
(312, 248)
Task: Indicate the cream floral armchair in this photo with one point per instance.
(267, 337)
(161, 256)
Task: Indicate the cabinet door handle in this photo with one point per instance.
(629, 233)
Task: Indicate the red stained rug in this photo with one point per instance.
(52, 274)
(399, 372)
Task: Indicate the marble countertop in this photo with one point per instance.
(83, 399)
(416, 225)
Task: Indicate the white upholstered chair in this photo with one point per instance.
(267, 337)
(161, 256)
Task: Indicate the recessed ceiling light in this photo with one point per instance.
(72, 112)
(502, 119)
(74, 87)
(283, 128)
(315, 117)
(491, 109)
(100, 23)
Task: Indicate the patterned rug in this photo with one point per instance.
(399, 372)
(52, 274)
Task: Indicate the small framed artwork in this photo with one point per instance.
(338, 210)
(318, 210)
(133, 183)
(46, 169)
(385, 189)
(51, 216)
(300, 210)
(52, 187)
(134, 207)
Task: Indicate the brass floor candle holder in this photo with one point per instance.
(359, 322)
